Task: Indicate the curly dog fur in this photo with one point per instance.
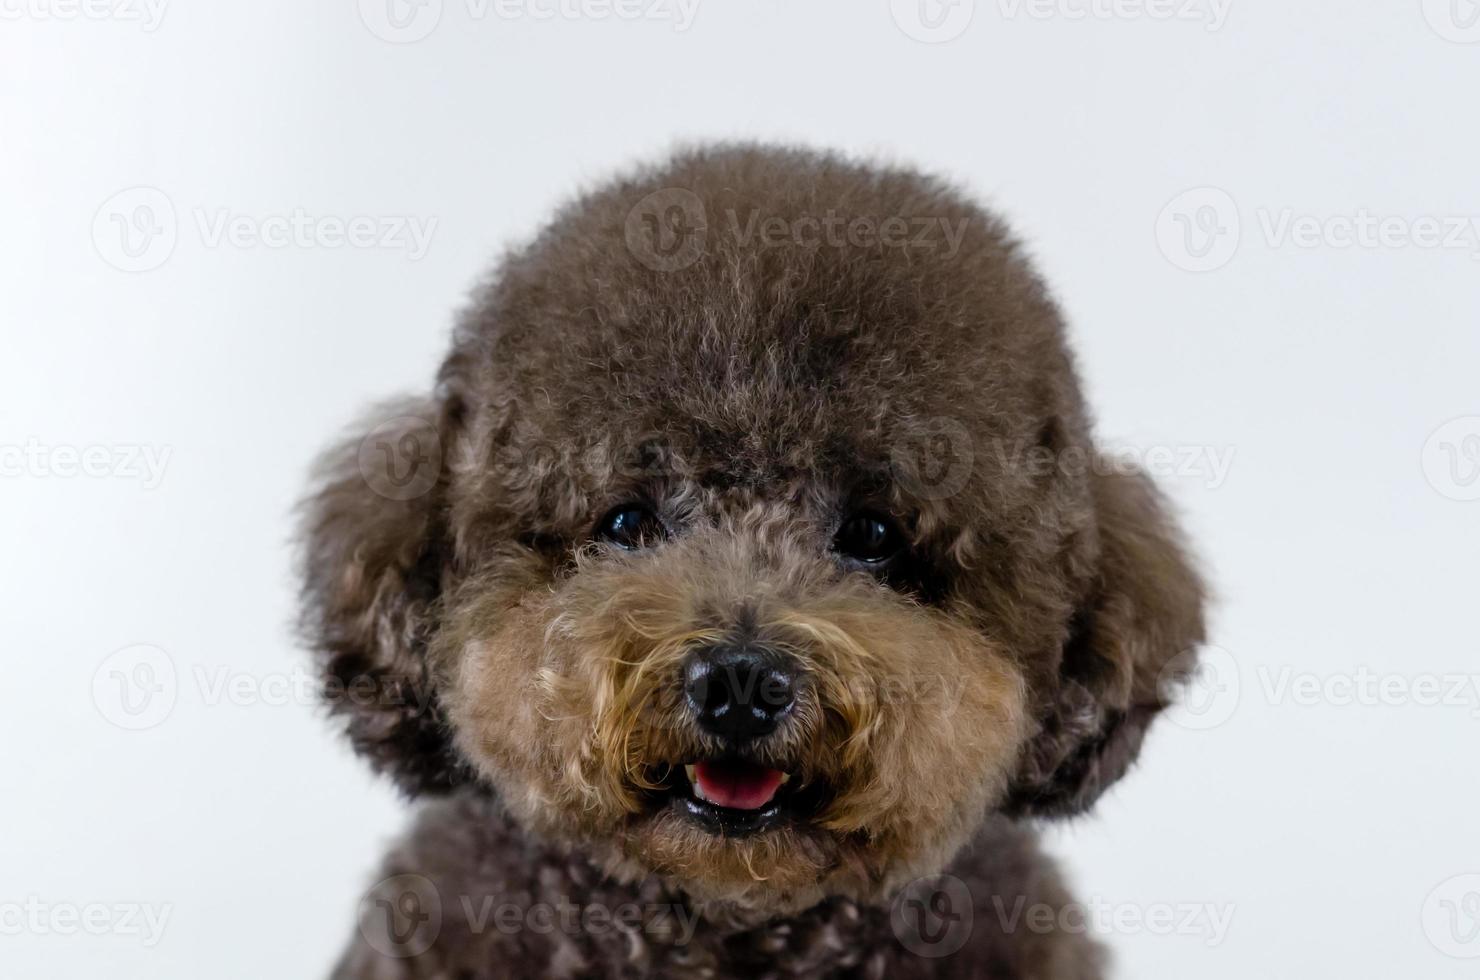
(750, 347)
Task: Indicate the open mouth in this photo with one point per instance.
(734, 785)
(735, 797)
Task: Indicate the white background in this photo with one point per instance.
(1340, 545)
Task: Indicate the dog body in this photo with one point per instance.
(754, 566)
(490, 902)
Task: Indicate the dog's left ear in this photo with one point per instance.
(1138, 627)
(375, 551)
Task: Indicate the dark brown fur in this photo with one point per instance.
(753, 391)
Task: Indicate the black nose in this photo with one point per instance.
(738, 692)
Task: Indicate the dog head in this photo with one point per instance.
(752, 537)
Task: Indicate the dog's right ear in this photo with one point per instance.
(1138, 629)
(374, 552)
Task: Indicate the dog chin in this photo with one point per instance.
(743, 840)
(780, 869)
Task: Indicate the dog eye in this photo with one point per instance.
(631, 526)
(868, 538)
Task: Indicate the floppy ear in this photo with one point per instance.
(1138, 626)
(373, 538)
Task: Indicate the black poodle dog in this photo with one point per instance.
(744, 583)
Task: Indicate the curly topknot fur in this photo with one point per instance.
(753, 344)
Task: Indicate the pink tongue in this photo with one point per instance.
(737, 785)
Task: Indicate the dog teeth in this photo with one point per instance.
(693, 773)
